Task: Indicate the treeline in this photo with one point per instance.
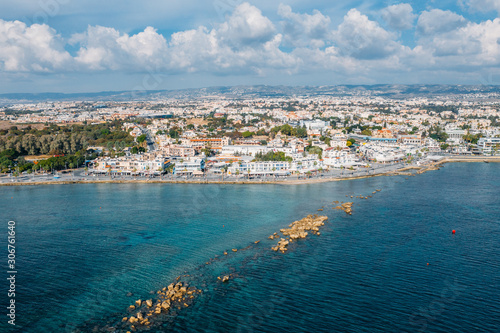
(11, 161)
(438, 134)
(57, 140)
(300, 132)
(272, 156)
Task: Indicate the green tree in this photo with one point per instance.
(366, 132)
(173, 133)
(247, 134)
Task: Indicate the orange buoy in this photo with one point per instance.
(453, 231)
(427, 264)
(223, 225)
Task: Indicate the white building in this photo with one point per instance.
(244, 150)
(305, 164)
(315, 125)
(455, 136)
(489, 146)
(130, 164)
(338, 159)
(260, 168)
(194, 166)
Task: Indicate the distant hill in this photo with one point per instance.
(383, 90)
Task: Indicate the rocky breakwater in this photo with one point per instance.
(431, 167)
(146, 313)
(346, 207)
(298, 229)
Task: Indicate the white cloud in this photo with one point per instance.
(247, 42)
(361, 38)
(35, 48)
(246, 26)
(106, 48)
(484, 5)
(439, 21)
(304, 29)
(476, 44)
(192, 49)
(399, 17)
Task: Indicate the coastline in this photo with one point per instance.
(404, 171)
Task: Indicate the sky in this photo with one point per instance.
(111, 45)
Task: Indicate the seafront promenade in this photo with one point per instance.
(78, 176)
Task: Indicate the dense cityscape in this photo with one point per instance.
(223, 138)
(250, 166)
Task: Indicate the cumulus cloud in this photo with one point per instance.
(246, 26)
(399, 17)
(191, 49)
(106, 48)
(36, 48)
(304, 29)
(476, 44)
(439, 21)
(484, 5)
(361, 38)
(248, 42)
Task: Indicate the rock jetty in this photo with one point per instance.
(298, 229)
(346, 207)
(145, 313)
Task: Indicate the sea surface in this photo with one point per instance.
(85, 252)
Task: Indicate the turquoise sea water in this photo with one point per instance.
(82, 248)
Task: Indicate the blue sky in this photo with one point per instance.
(85, 46)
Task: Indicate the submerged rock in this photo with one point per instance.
(176, 295)
(298, 229)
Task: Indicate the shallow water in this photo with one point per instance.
(81, 248)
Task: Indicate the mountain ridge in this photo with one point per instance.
(395, 91)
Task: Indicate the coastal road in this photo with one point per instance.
(80, 175)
